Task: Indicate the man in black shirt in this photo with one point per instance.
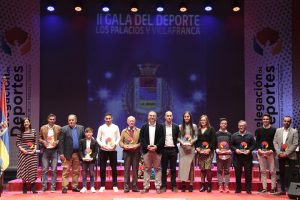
(242, 145)
(223, 155)
(265, 150)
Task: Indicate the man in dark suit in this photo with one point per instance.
(152, 142)
(69, 139)
(169, 151)
(285, 144)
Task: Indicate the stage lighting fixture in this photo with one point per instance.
(236, 6)
(208, 6)
(51, 5)
(160, 6)
(78, 6)
(183, 7)
(134, 7)
(105, 7)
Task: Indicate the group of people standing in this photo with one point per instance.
(160, 145)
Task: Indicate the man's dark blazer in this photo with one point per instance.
(159, 139)
(66, 140)
(175, 134)
(94, 147)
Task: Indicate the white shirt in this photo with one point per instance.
(284, 136)
(108, 135)
(152, 134)
(88, 143)
(169, 137)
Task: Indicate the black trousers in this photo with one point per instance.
(169, 156)
(112, 157)
(286, 171)
(240, 161)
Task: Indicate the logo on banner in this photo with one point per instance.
(267, 37)
(147, 92)
(15, 37)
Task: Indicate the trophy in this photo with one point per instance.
(204, 146)
(30, 146)
(109, 142)
(284, 148)
(264, 146)
(87, 154)
(129, 141)
(50, 142)
(224, 147)
(243, 147)
(187, 139)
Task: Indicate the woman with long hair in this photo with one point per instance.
(187, 139)
(205, 146)
(28, 159)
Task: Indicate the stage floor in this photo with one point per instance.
(109, 195)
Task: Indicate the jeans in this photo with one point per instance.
(88, 166)
(49, 155)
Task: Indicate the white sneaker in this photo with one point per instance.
(93, 190)
(115, 189)
(102, 189)
(83, 190)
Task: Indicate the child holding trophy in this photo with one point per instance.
(88, 149)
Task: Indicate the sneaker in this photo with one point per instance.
(43, 189)
(226, 189)
(262, 191)
(272, 191)
(102, 189)
(52, 190)
(83, 190)
(115, 189)
(220, 188)
(93, 190)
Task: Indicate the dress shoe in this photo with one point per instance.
(237, 191)
(145, 190)
(174, 189)
(249, 192)
(163, 189)
(202, 188)
(135, 190)
(126, 190)
(182, 188)
(209, 187)
(76, 190)
(226, 189)
(24, 188)
(191, 188)
(64, 190)
(32, 188)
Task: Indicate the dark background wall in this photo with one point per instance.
(64, 59)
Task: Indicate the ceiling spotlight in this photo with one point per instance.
(105, 7)
(208, 6)
(78, 5)
(50, 6)
(236, 6)
(134, 7)
(160, 6)
(183, 7)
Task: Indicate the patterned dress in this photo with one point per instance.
(28, 163)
